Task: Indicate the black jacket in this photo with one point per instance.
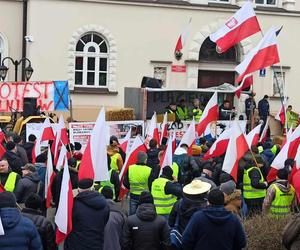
(146, 230)
(263, 109)
(15, 162)
(28, 146)
(152, 159)
(90, 215)
(27, 185)
(21, 152)
(4, 176)
(44, 227)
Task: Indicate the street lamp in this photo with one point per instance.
(28, 70)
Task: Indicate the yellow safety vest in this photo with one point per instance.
(182, 113)
(281, 205)
(250, 192)
(175, 169)
(163, 202)
(77, 164)
(108, 184)
(138, 178)
(197, 113)
(10, 182)
(114, 162)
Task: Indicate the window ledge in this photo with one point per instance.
(83, 90)
(275, 98)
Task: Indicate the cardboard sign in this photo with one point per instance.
(50, 96)
(178, 68)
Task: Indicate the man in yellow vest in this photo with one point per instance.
(291, 117)
(8, 179)
(137, 179)
(254, 188)
(182, 111)
(197, 112)
(280, 197)
(165, 192)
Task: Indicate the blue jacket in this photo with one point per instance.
(263, 108)
(20, 232)
(214, 228)
(90, 215)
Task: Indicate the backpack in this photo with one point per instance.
(175, 235)
(291, 231)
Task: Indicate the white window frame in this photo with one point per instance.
(278, 71)
(97, 55)
(219, 1)
(168, 71)
(265, 4)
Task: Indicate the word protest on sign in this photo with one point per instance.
(50, 96)
(81, 131)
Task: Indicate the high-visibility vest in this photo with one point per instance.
(250, 192)
(282, 202)
(163, 202)
(260, 149)
(197, 113)
(108, 184)
(114, 162)
(10, 182)
(182, 113)
(77, 164)
(175, 169)
(274, 149)
(138, 178)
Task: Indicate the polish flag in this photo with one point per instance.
(209, 114)
(49, 179)
(280, 116)
(265, 54)
(183, 37)
(189, 136)
(295, 175)
(219, 146)
(94, 159)
(241, 25)
(36, 150)
(124, 143)
(62, 158)
(152, 132)
(237, 147)
(61, 137)
(1, 228)
(288, 151)
(2, 136)
(164, 128)
(264, 133)
(252, 137)
(137, 146)
(287, 136)
(2, 150)
(167, 157)
(2, 189)
(246, 83)
(63, 217)
(47, 134)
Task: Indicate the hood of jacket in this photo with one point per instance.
(92, 199)
(146, 212)
(217, 214)
(34, 177)
(283, 185)
(10, 217)
(152, 153)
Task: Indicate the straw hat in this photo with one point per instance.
(196, 187)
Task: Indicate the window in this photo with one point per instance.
(219, 1)
(91, 61)
(266, 2)
(161, 74)
(278, 83)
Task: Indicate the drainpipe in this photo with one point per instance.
(24, 33)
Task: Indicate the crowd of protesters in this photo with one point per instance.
(192, 204)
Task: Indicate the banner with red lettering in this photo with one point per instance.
(50, 96)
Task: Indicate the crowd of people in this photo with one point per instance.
(191, 204)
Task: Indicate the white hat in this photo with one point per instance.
(196, 187)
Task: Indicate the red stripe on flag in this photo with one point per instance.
(49, 192)
(219, 150)
(86, 170)
(211, 116)
(179, 45)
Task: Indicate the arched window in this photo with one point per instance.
(91, 61)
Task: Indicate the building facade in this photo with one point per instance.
(103, 46)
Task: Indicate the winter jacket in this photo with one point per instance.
(44, 227)
(28, 146)
(233, 202)
(152, 160)
(145, 230)
(263, 109)
(185, 208)
(20, 232)
(214, 228)
(90, 215)
(14, 161)
(21, 152)
(41, 170)
(284, 186)
(27, 185)
(114, 228)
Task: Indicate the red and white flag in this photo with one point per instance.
(47, 134)
(164, 128)
(253, 136)
(167, 157)
(62, 158)
(241, 25)
(124, 143)
(265, 54)
(94, 160)
(152, 131)
(183, 37)
(49, 179)
(1, 228)
(280, 116)
(36, 150)
(61, 138)
(137, 146)
(189, 136)
(236, 149)
(219, 146)
(210, 114)
(264, 133)
(63, 217)
(246, 83)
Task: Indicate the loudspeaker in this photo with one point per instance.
(29, 107)
(149, 82)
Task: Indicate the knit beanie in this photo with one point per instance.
(216, 197)
(85, 183)
(7, 199)
(228, 187)
(33, 201)
(146, 197)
